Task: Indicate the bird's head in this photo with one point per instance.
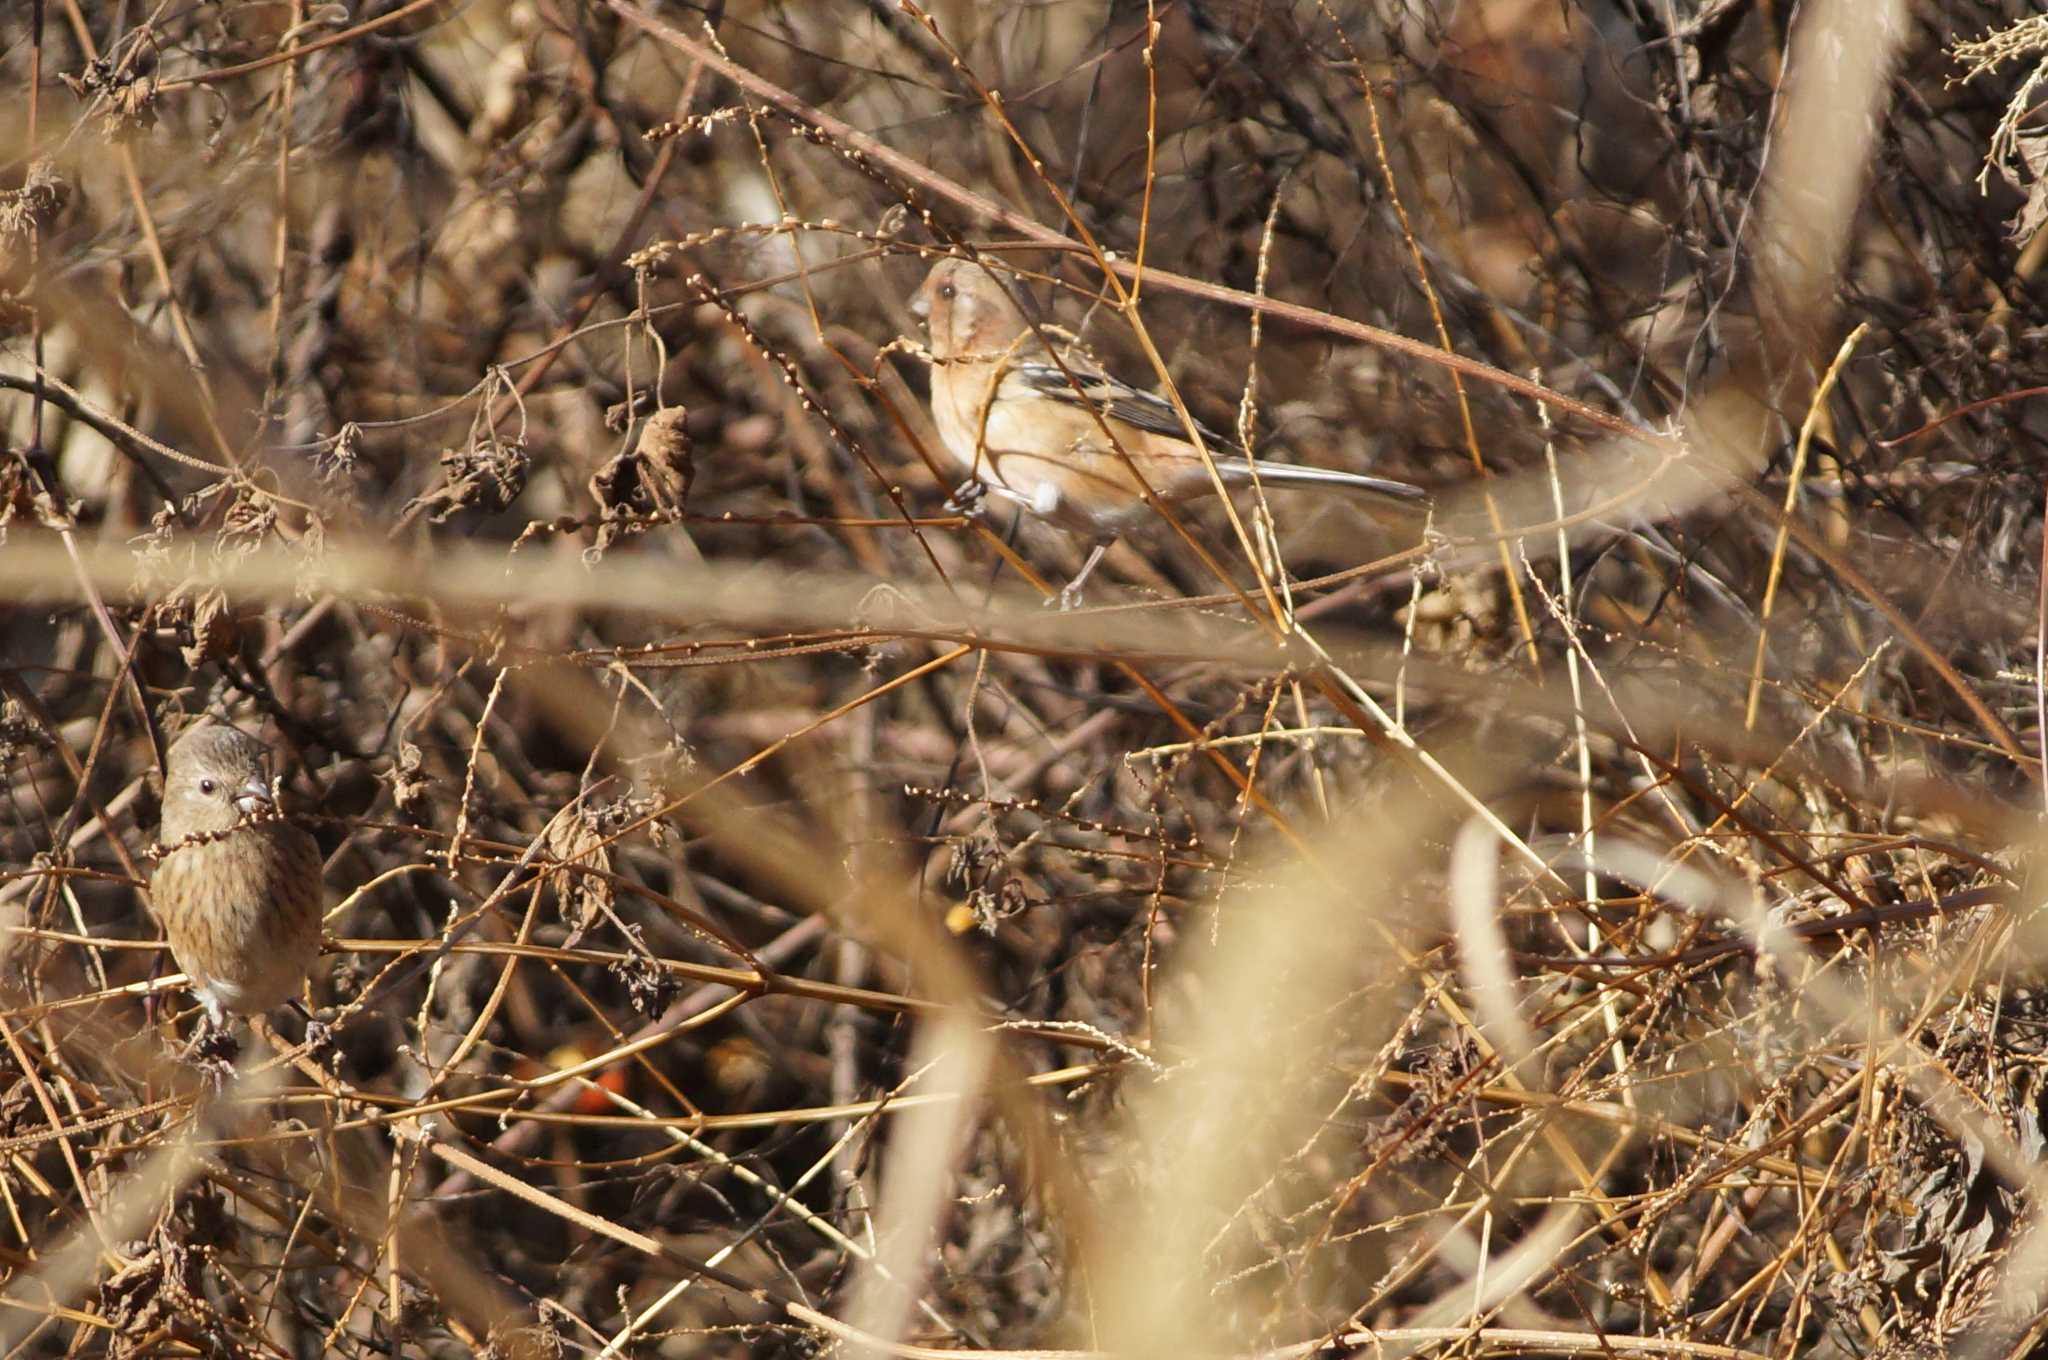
(969, 314)
(214, 777)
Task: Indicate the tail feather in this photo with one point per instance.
(1239, 471)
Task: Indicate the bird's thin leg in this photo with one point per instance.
(1070, 593)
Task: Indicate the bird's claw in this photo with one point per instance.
(214, 1073)
(212, 1053)
(967, 498)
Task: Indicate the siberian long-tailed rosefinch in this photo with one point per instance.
(237, 887)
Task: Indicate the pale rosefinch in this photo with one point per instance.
(237, 887)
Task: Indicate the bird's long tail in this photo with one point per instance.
(1239, 471)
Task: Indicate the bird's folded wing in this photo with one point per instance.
(1086, 389)
(1115, 400)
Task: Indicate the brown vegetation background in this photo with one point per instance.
(1592, 921)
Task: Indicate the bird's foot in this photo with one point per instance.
(1070, 593)
(967, 498)
(320, 1046)
(212, 1054)
(212, 1041)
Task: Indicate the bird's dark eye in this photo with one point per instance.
(207, 786)
(946, 291)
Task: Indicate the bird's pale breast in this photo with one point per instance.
(243, 913)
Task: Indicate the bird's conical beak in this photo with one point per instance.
(254, 796)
